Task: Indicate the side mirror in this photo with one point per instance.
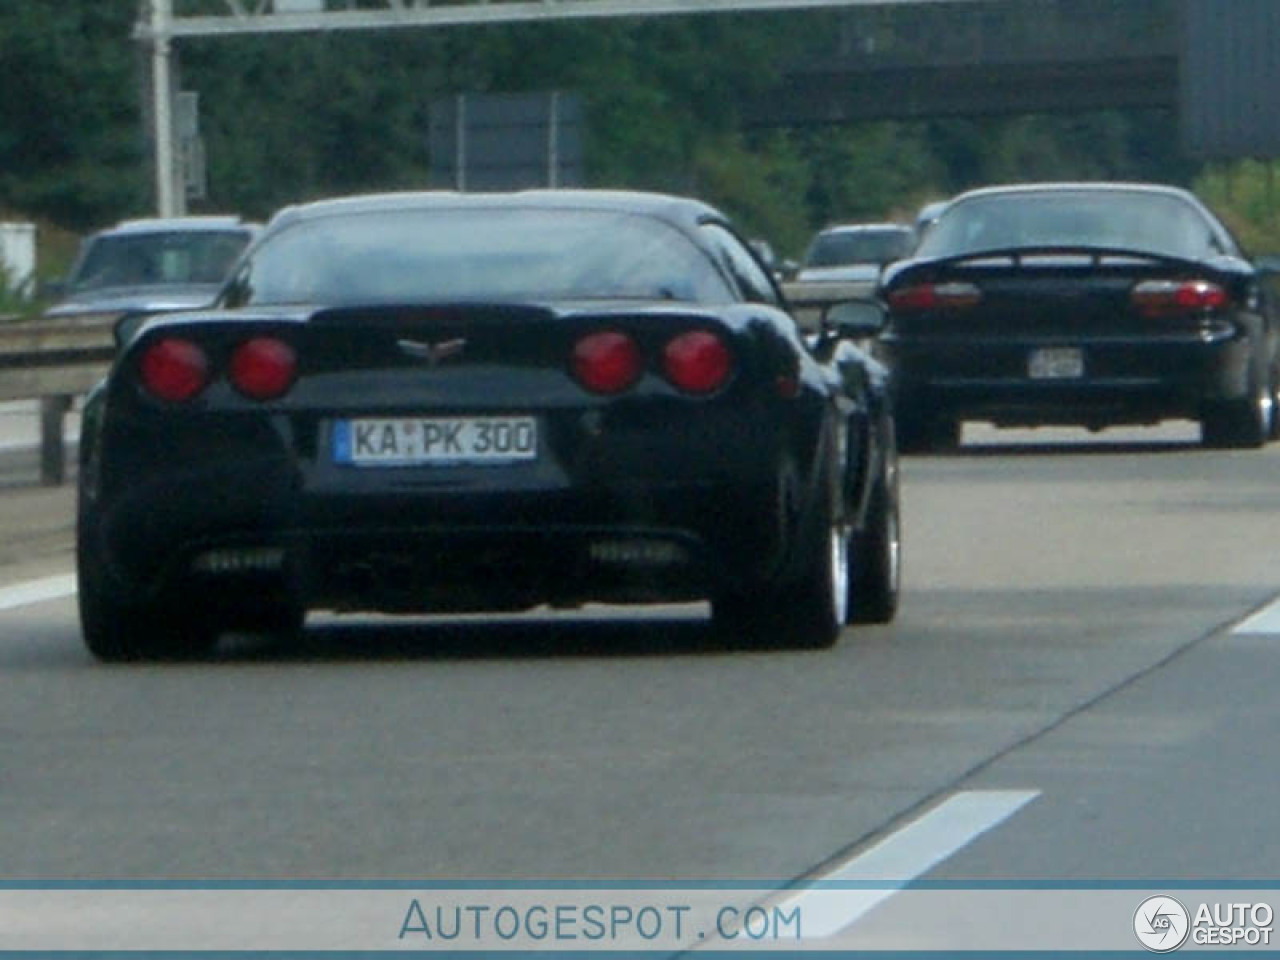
(855, 319)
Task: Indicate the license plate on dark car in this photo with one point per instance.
(1056, 363)
(434, 441)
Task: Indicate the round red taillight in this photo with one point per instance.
(607, 362)
(263, 368)
(174, 369)
(697, 361)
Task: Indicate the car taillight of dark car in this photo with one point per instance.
(694, 361)
(922, 297)
(1168, 298)
(176, 370)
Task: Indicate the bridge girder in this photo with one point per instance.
(834, 94)
(261, 16)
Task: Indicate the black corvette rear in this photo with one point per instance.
(457, 456)
(583, 493)
(1079, 333)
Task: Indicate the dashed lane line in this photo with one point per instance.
(848, 890)
(1266, 620)
(37, 591)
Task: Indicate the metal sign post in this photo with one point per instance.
(162, 92)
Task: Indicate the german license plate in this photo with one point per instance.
(1056, 363)
(434, 441)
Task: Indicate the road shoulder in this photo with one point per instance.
(39, 532)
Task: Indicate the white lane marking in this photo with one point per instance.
(37, 591)
(20, 426)
(907, 853)
(1266, 620)
(70, 440)
(20, 446)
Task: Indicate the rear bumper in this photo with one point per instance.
(1123, 380)
(675, 544)
(624, 517)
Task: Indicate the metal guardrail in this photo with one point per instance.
(54, 363)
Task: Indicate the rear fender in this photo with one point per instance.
(91, 418)
(822, 483)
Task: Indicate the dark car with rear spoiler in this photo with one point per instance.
(435, 402)
(1085, 304)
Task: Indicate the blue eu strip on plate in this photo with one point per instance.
(342, 441)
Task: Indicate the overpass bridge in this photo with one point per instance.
(1215, 63)
(1032, 56)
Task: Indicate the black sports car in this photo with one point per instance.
(1090, 304)
(444, 402)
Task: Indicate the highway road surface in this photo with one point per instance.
(1080, 686)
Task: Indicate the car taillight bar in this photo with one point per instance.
(935, 296)
(174, 369)
(1163, 298)
(263, 368)
(607, 361)
(698, 361)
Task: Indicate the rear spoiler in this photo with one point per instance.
(1017, 256)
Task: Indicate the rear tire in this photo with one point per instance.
(821, 599)
(876, 554)
(1274, 388)
(802, 614)
(119, 630)
(1243, 424)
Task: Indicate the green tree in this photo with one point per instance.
(1246, 194)
(70, 132)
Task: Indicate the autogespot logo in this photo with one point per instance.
(1161, 924)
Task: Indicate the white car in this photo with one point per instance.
(855, 253)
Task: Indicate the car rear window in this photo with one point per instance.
(1150, 222)
(482, 253)
(840, 247)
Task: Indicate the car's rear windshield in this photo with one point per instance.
(841, 247)
(483, 253)
(1128, 220)
(168, 257)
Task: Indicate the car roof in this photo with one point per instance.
(683, 211)
(1079, 186)
(178, 224)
